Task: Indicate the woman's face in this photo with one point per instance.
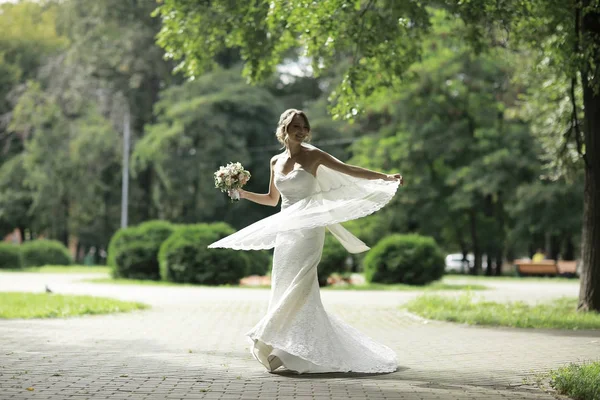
(297, 129)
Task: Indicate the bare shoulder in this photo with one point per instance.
(314, 154)
(275, 158)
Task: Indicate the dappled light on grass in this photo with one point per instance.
(560, 313)
(579, 382)
(46, 305)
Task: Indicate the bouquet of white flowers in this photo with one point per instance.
(230, 178)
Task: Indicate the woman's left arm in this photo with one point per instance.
(327, 160)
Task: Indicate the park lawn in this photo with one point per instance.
(509, 278)
(369, 286)
(558, 314)
(435, 286)
(62, 269)
(579, 382)
(49, 305)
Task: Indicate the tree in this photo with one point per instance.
(200, 125)
(28, 36)
(382, 38)
(449, 128)
(114, 42)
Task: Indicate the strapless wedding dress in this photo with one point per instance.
(297, 332)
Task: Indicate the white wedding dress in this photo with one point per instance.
(297, 333)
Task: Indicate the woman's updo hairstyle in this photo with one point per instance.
(285, 120)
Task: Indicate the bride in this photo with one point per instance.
(318, 192)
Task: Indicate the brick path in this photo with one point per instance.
(190, 345)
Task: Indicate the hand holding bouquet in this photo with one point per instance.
(231, 178)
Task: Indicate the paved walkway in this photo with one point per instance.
(191, 345)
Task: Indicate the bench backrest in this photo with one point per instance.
(566, 267)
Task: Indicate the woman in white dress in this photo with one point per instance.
(318, 192)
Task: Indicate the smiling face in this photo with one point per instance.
(298, 129)
(293, 127)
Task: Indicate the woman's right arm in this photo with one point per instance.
(269, 199)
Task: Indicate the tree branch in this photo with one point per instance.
(574, 119)
(359, 33)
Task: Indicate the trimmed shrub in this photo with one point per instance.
(333, 259)
(185, 256)
(10, 256)
(409, 259)
(370, 229)
(133, 252)
(119, 240)
(259, 262)
(37, 253)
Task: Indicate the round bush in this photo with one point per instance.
(10, 256)
(333, 259)
(37, 253)
(259, 262)
(133, 251)
(185, 256)
(409, 259)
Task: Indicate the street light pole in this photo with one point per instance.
(125, 185)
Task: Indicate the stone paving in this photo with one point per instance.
(191, 345)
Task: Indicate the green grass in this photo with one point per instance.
(369, 286)
(508, 278)
(144, 282)
(558, 314)
(49, 305)
(62, 269)
(435, 286)
(579, 382)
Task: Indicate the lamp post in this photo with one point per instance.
(125, 184)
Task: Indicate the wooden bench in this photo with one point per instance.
(566, 267)
(545, 267)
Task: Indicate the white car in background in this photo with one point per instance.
(456, 264)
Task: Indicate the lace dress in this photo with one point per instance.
(297, 333)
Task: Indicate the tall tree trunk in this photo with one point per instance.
(64, 233)
(499, 262)
(501, 234)
(554, 247)
(488, 257)
(476, 252)
(569, 253)
(22, 233)
(589, 294)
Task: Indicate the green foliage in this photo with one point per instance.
(558, 314)
(10, 256)
(259, 262)
(28, 34)
(382, 38)
(43, 305)
(579, 382)
(133, 252)
(118, 241)
(15, 197)
(201, 125)
(410, 259)
(185, 258)
(333, 259)
(37, 253)
(451, 130)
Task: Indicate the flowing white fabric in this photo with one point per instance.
(335, 197)
(297, 333)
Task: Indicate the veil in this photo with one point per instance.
(338, 198)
